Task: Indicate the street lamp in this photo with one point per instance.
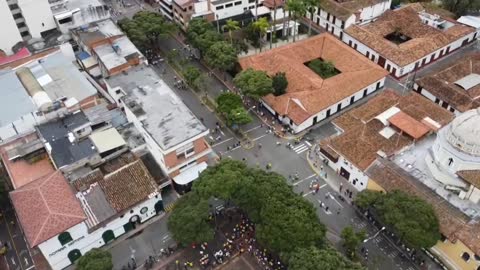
(375, 235)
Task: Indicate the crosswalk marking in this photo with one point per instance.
(300, 149)
(169, 207)
(309, 144)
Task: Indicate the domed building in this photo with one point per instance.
(455, 156)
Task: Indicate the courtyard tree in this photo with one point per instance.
(228, 101)
(221, 55)
(351, 241)
(253, 83)
(324, 69)
(313, 258)
(279, 83)
(411, 218)
(189, 220)
(95, 259)
(231, 26)
(261, 25)
(146, 28)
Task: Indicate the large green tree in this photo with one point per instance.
(201, 34)
(228, 101)
(279, 83)
(95, 259)
(231, 26)
(312, 258)
(253, 83)
(238, 116)
(411, 218)
(351, 240)
(297, 9)
(191, 74)
(221, 55)
(146, 28)
(189, 220)
(261, 25)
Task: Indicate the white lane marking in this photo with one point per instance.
(221, 132)
(311, 191)
(333, 198)
(258, 138)
(166, 237)
(308, 177)
(252, 129)
(306, 194)
(13, 261)
(309, 144)
(224, 141)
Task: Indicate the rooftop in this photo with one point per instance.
(107, 140)
(46, 207)
(366, 134)
(307, 93)
(15, 100)
(105, 195)
(343, 9)
(25, 169)
(166, 117)
(117, 53)
(96, 31)
(61, 142)
(442, 83)
(421, 39)
(454, 224)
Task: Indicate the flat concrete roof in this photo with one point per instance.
(167, 118)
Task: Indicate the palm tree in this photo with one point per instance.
(297, 8)
(310, 6)
(231, 26)
(272, 31)
(261, 25)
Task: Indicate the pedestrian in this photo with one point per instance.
(326, 209)
(259, 145)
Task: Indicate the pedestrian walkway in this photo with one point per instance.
(300, 148)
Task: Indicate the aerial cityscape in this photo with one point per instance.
(240, 134)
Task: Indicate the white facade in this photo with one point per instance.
(350, 172)
(224, 9)
(433, 98)
(84, 240)
(22, 20)
(336, 26)
(400, 71)
(331, 110)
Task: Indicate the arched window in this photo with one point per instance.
(466, 256)
(64, 238)
(74, 255)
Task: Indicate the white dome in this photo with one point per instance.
(464, 132)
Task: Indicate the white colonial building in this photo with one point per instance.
(337, 15)
(65, 226)
(455, 156)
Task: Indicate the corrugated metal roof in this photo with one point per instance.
(469, 81)
(107, 140)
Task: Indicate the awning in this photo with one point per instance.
(190, 174)
(409, 125)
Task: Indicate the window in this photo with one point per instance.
(365, 92)
(20, 25)
(17, 16)
(143, 210)
(24, 33)
(131, 211)
(118, 91)
(251, 1)
(64, 238)
(466, 256)
(378, 85)
(219, 7)
(13, 6)
(66, 20)
(228, 5)
(238, 3)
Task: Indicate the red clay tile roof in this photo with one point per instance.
(453, 223)
(344, 9)
(424, 39)
(409, 125)
(442, 83)
(21, 61)
(471, 176)
(360, 141)
(128, 186)
(46, 207)
(307, 93)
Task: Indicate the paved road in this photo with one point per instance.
(18, 255)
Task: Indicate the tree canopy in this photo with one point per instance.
(221, 55)
(312, 258)
(231, 26)
(410, 217)
(324, 69)
(253, 83)
(95, 259)
(461, 7)
(189, 220)
(279, 83)
(146, 28)
(228, 101)
(201, 34)
(191, 73)
(351, 240)
(238, 116)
